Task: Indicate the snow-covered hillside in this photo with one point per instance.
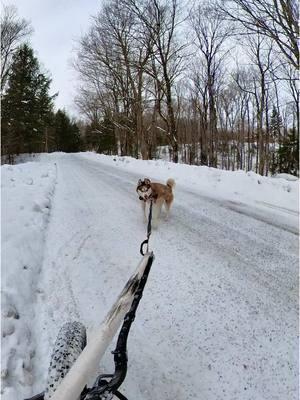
(218, 319)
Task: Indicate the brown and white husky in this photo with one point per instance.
(157, 192)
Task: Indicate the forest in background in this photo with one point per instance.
(213, 83)
(29, 121)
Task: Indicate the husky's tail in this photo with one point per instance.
(171, 183)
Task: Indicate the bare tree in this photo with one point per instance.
(276, 19)
(291, 79)
(132, 61)
(162, 19)
(211, 34)
(259, 49)
(13, 31)
(112, 59)
(88, 104)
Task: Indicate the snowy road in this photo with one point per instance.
(218, 319)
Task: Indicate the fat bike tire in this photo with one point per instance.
(70, 342)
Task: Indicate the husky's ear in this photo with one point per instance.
(147, 181)
(139, 182)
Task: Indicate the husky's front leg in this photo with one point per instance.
(156, 210)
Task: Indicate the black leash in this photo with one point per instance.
(146, 242)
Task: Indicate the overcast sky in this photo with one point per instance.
(57, 24)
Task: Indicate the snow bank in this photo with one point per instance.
(247, 187)
(26, 202)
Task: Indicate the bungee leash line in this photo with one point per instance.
(149, 227)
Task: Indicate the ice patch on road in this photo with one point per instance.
(26, 201)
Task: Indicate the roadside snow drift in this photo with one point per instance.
(219, 316)
(26, 201)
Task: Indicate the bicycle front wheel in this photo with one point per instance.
(70, 342)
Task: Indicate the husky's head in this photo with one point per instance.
(144, 189)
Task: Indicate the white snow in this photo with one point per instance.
(280, 194)
(288, 177)
(26, 201)
(218, 319)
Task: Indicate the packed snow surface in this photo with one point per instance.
(27, 190)
(219, 315)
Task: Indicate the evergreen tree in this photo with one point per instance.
(26, 105)
(100, 136)
(288, 154)
(275, 135)
(275, 124)
(92, 132)
(67, 135)
(107, 139)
